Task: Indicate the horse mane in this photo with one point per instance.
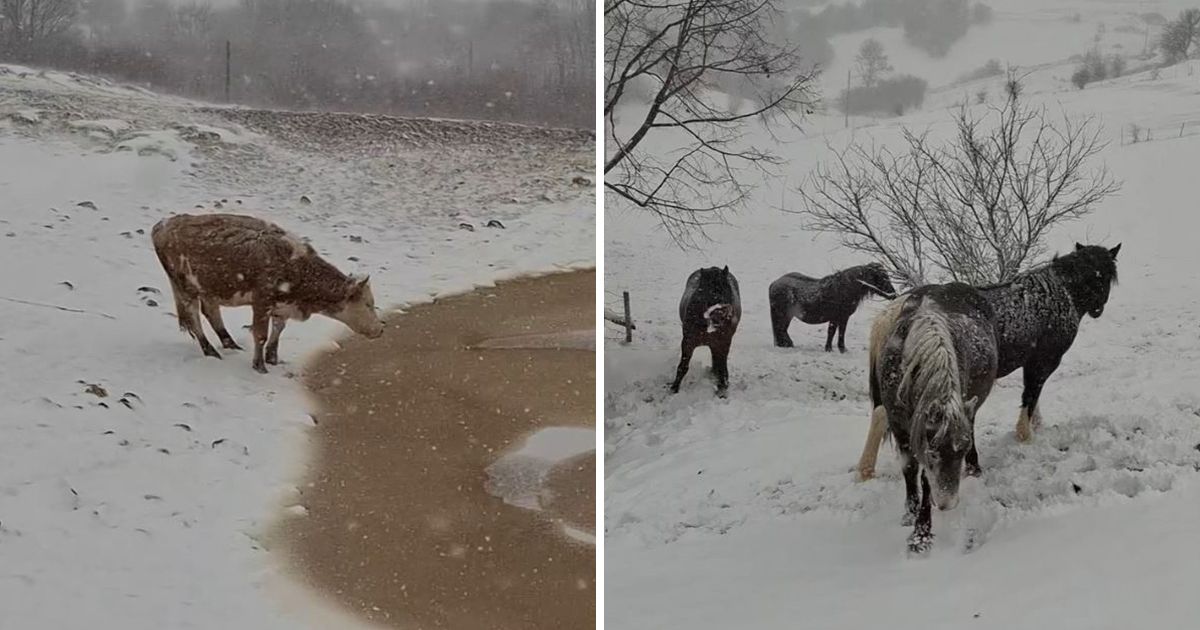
(930, 377)
(852, 276)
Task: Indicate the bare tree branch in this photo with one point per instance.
(665, 60)
(976, 208)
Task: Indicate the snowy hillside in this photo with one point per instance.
(139, 479)
(744, 513)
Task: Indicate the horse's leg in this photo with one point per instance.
(972, 468)
(866, 463)
(878, 426)
(842, 333)
(911, 500)
(780, 319)
(685, 359)
(829, 337)
(921, 538)
(1035, 374)
(720, 355)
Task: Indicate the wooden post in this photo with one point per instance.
(228, 55)
(628, 319)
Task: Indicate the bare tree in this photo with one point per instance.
(675, 52)
(975, 209)
(872, 62)
(27, 22)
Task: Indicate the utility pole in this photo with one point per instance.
(228, 54)
(846, 104)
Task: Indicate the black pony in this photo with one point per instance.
(934, 371)
(709, 311)
(832, 299)
(1038, 314)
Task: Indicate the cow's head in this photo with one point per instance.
(357, 310)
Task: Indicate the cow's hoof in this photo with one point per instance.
(908, 519)
(828, 349)
(866, 474)
(260, 368)
(212, 352)
(972, 470)
(272, 360)
(230, 344)
(784, 344)
(722, 392)
(842, 350)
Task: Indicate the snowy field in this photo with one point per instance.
(745, 512)
(138, 479)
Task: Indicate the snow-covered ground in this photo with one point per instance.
(744, 513)
(139, 479)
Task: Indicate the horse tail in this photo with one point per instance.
(780, 317)
(929, 379)
(881, 328)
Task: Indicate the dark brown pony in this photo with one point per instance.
(709, 312)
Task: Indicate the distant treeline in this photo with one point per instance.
(528, 61)
(930, 25)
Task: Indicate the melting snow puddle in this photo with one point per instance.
(569, 340)
(519, 476)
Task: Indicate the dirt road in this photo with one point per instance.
(400, 527)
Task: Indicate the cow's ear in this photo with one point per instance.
(1078, 246)
(362, 282)
(726, 270)
(1114, 251)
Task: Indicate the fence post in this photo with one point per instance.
(628, 319)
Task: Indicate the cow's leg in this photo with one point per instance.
(720, 355)
(842, 333)
(277, 324)
(829, 337)
(259, 323)
(212, 312)
(189, 318)
(685, 360)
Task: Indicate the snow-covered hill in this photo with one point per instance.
(139, 479)
(744, 513)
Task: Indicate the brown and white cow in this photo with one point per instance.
(216, 260)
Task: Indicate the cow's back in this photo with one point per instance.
(224, 255)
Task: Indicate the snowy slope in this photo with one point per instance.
(138, 479)
(745, 513)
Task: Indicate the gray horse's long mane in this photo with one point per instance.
(930, 379)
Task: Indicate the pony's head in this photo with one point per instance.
(715, 291)
(875, 277)
(1089, 272)
(943, 445)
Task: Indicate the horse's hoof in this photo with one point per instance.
(866, 474)
(722, 393)
(674, 389)
(784, 344)
(919, 543)
(230, 345)
(973, 471)
(1024, 433)
(908, 519)
(212, 352)
(842, 350)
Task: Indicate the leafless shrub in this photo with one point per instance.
(975, 208)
